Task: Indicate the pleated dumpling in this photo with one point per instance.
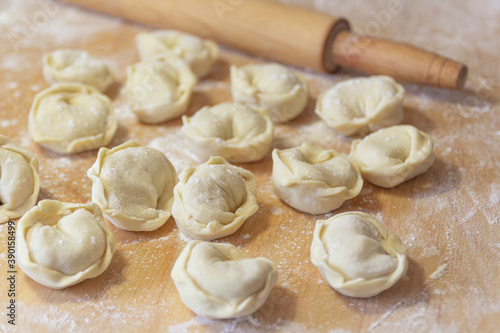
(213, 199)
(357, 255)
(71, 117)
(133, 185)
(159, 89)
(60, 244)
(76, 66)
(216, 280)
(314, 180)
(393, 155)
(19, 180)
(237, 132)
(199, 54)
(273, 87)
(362, 105)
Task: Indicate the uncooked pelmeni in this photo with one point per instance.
(200, 54)
(60, 244)
(393, 155)
(357, 255)
(159, 89)
(76, 66)
(362, 105)
(273, 87)
(71, 117)
(133, 185)
(314, 180)
(237, 132)
(213, 200)
(219, 281)
(19, 180)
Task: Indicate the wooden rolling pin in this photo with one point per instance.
(289, 34)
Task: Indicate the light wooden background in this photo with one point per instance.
(447, 218)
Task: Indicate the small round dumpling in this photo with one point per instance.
(237, 132)
(159, 89)
(19, 180)
(362, 105)
(213, 200)
(200, 54)
(71, 117)
(218, 281)
(133, 185)
(76, 66)
(60, 244)
(314, 180)
(393, 155)
(357, 255)
(273, 87)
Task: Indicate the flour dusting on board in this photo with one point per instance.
(418, 303)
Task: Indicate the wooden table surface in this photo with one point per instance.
(447, 218)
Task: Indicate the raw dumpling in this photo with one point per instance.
(393, 155)
(273, 87)
(314, 180)
(159, 89)
(133, 185)
(237, 132)
(357, 255)
(60, 244)
(71, 117)
(213, 200)
(19, 181)
(362, 105)
(200, 54)
(219, 281)
(76, 66)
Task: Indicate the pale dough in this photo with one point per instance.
(393, 155)
(19, 180)
(213, 200)
(60, 244)
(273, 87)
(218, 281)
(200, 54)
(133, 185)
(76, 66)
(357, 255)
(314, 180)
(159, 89)
(362, 105)
(71, 117)
(237, 132)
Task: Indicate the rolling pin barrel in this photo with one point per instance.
(288, 34)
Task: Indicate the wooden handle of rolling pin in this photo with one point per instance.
(289, 34)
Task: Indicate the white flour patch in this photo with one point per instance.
(439, 272)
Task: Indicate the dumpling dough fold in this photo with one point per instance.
(213, 200)
(393, 155)
(362, 105)
(219, 281)
(357, 255)
(159, 89)
(133, 185)
(60, 244)
(314, 180)
(273, 87)
(199, 54)
(237, 132)
(71, 117)
(76, 66)
(19, 180)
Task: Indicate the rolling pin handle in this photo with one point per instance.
(399, 60)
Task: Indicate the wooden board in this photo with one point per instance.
(447, 218)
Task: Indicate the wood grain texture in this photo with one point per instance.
(447, 217)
